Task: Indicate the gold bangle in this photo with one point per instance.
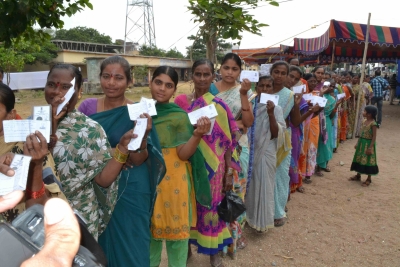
(119, 156)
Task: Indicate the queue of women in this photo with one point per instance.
(169, 189)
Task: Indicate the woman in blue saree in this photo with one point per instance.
(126, 240)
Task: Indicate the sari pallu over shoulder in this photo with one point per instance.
(116, 122)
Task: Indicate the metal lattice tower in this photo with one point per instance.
(139, 23)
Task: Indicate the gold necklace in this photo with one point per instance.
(123, 104)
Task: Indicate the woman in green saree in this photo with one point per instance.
(126, 240)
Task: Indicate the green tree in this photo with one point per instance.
(140, 72)
(227, 19)
(18, 17)
(16, 56)
(82, 34)
(174, 53)
(154, 51)
(199, 50)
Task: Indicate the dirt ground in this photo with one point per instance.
(335, 222)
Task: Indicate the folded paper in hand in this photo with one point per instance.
(321, 101)
(299, 89)
(267, 97)
(144, 106)
(18, 130)
(340, 96)
(67, 97)
(20, 165)
(139, 130)
(308, 97)
(208, 111)
(251, 75)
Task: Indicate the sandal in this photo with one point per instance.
(286, 209)
(301, 189)
(241, 243)
(279, 222)
(319, 173)
(307, 180)
(327, 169)
(355, 178)
(366, 183)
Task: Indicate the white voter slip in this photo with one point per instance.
(20, 164)
(208, 111)
(264, 98)
(251, 75)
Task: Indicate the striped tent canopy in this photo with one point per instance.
(270, 55)
(346, 40)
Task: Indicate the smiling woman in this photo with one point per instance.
(126, 241)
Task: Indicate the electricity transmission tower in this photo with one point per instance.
(139, 23)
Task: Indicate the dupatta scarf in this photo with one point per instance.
(174, 120)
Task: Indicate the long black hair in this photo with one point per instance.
(7, 97)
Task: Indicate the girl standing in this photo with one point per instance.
(172, 215)
(365, 160)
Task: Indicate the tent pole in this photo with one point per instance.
(333, 54)
(362, 75)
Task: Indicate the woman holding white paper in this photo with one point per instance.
(325, 149)
(211, 234)
(186, 178)
(268, 128)
(236, 96)
(126, 241)
(43, 181)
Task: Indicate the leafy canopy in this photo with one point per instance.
(18, 17)
(199, 48)
(146, 50)
(228, 18)
(83, 34)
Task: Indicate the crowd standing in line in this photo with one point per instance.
(169, 189)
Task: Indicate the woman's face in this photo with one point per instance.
(355, 80)
(312, 83)
(113, 81)
(332, 87)
(348, 78)
(58, 83)
(202, 78)
(279, 74)
(4, 115)
(264, 86)
(230, 71)
(319, 73)
(292, 79)
(162, 88)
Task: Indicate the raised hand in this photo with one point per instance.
(37, 149)
(270, 107)
(202, 127)
(246, 85)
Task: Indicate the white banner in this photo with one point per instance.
(27, 80)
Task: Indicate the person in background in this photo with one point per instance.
(345, 108)
(291, 113)
(370, 93)
(263, 136)
(1, 75)
(295, 62)
(126, 241)
(325, 150)
(365, 159)
(393, 84)
(211, 234)
(378, 84)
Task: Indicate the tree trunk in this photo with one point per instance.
(212, 47)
